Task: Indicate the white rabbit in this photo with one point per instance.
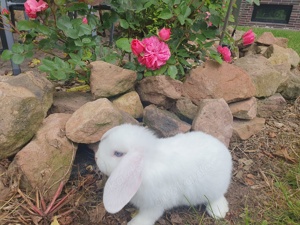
(158, 174)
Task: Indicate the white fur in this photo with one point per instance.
(187, 169)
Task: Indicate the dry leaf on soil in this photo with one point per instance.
(96, 215)
(283, 153)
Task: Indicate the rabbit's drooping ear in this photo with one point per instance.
(124, 182)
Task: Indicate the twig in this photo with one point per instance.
(30, 203)
(57, 193)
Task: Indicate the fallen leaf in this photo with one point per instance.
(251, 176)
(248, 181)
(34, 62)
(83, 88)
(96, 215)
(55, 222)
(283, 153)
(272, 135)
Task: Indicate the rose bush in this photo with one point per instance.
(63, 29)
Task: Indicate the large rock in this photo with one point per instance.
(213, 81)
(185, 109)
(159, 90)
(21, 115)
(47, 160)
(267, 38)
(93, 119)
(246, 109)
(290, 89)
(214, 117)
(108, 80)
(244, 129)
(278, 55)
(265, 78)
(130, 103)
(41, 87)
(69, 102)
(165, 123)
(267, 107)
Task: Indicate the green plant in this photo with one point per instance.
(194, 26)
(65, 30)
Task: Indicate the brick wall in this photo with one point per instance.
(247, 9)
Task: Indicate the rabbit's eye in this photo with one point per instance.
(118, 154)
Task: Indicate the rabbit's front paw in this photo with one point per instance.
(218, 208)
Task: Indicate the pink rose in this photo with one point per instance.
(207, 15)
(5, 12)
(225, 52)
(32, 7)
(84, 20)
(248, 37)
(137, 47)
(164, 34)
(156, 53)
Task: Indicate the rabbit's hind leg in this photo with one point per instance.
(147, 216)
(218, 208)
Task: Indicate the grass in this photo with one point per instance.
(292, 35)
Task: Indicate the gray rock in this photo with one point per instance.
(265, 78)
(108, 80)
(214, 117)
(290, 89)
(21, 115)
(42, 88)
(47, 160)
(164, 123)
(185, 109)
(278, 55)
(69, 102)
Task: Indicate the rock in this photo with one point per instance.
(185, 109)
(159, 90)
(213, 81)
(290, 89)
(246, 109)
(41, 87)
(130, 103)
(108, 80)
(265, 78)
(164, 123)
(268, 106)
(69, 102)
(47, 160)
(92, 120)
(21, 115)
(244, 129)
(278, 55)
(282, 42)
(297, 106)
(214, 117)
(267, 38)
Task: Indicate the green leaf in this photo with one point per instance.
(161, 70)
(29, 54)
(43, 29)
(17, 48)
(26, 25)
(17, 58)
(64, 23)
(124, 44)
(75, 57)
(78, 42)
(165, 14)
(181, 19)
(59, 75)
(172, 71)
(6, 54)
(45, 68)
(148, 74)
(86, 40)
(124, 24)
(72, 33)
